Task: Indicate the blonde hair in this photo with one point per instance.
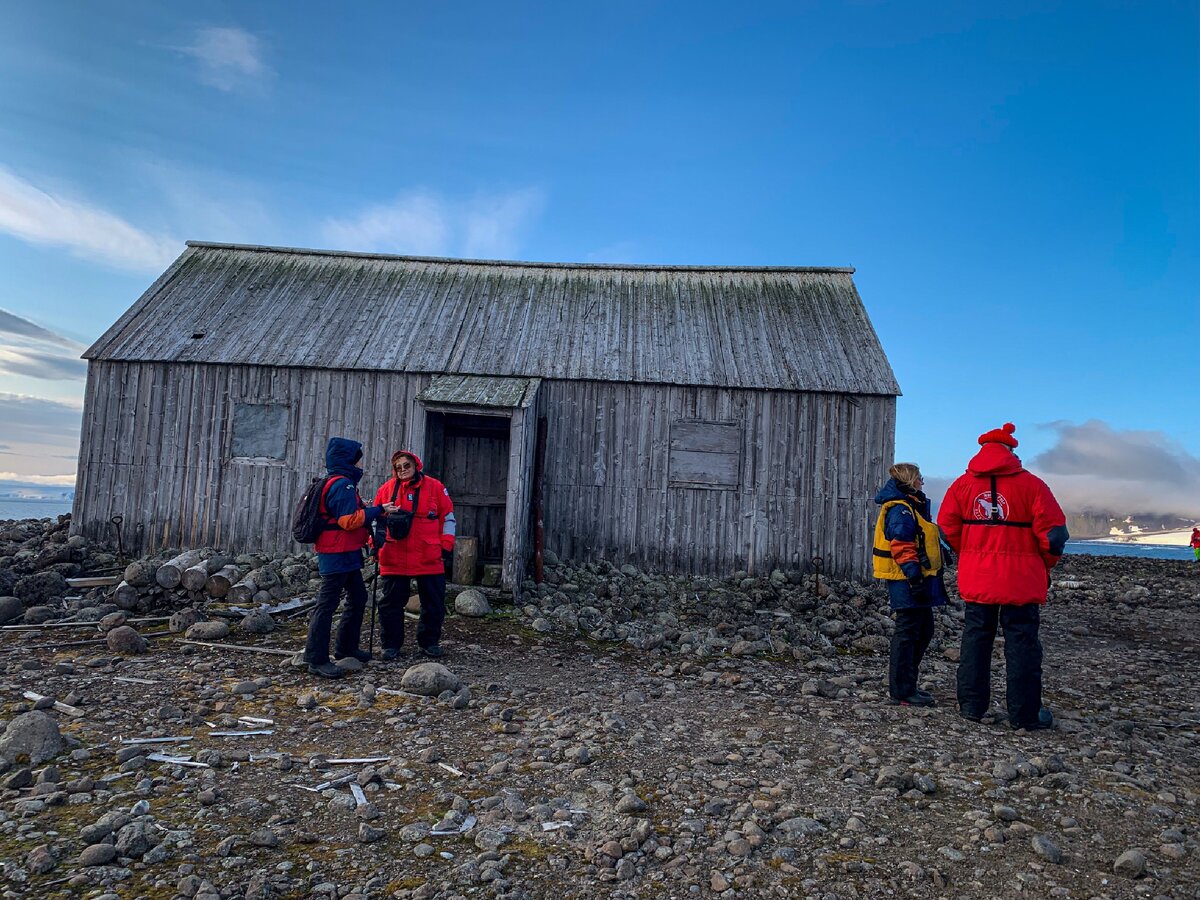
(907, 475)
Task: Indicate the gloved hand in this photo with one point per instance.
(447, 556)
(916, 585)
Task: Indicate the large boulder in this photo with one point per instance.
(471, 603)
(140, 573)
(10, 609)
(258, 622)
(34, 734)
(429, 679)
(207, 631)
(125, 639)
(39, 587)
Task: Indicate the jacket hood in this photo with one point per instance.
(995, 459)
(891, 491)
(340, 457)
(416, 459)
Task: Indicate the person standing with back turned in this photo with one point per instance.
(907, 555)
(1008, 532)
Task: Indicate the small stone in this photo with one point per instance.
(243, 687)
(1046, 848)
(472, 603)
(183, 619)
(258, 622)
(98, 855)
(207, 631)
(1131, 864)
(630, 803)
(718, 882)
(429, 679)
(125, 640)
(264, 837)
(40, 860)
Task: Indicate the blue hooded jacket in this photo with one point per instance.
(341, 456)
(901, 525)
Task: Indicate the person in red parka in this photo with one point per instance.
(422, 554)
(1008, 532)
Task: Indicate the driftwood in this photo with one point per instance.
(170, 573)
(466, 554)
(78, 624)
(193, 578)
(93, 581)
(243, 591)
(219, 582)
(240, 647)
(126, 595)
(61, 707)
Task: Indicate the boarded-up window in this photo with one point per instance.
(260, 431)
(705, 454)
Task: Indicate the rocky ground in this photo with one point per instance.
(614, 735)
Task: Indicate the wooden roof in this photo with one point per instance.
(750, 327)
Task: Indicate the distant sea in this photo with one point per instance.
(1151, 551)
(33, 509)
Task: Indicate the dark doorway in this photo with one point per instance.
(469, 454)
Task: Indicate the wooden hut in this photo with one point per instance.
(697, 418)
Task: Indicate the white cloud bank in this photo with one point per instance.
(54, 480)
(426, 224)
(38, 216)
(229, 58)
(1097, 468)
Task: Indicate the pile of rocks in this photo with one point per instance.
(37, 556)
(787, 614)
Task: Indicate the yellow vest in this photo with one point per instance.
(929, 548)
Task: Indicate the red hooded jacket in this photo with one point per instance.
(420, 552)
(1006, 549)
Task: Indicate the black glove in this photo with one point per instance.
(916, 584)
(447, 556)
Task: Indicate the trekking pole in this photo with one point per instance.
(374, 595)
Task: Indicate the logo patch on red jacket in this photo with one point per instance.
(981, 507)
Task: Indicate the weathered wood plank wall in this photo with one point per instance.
(156, 441)
(811, 464)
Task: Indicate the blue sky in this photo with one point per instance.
(1019, 189)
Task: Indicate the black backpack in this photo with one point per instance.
(307, 520)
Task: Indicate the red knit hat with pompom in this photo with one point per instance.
(1000, 435)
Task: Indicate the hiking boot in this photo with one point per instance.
(1044, 722)
(920, 698)
(391, 653)
(361, 655)
(970, 717)
(433, 651)
(325, 670)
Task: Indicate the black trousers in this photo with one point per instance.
(1022, 660)
(316, 650)
(910, 640)
(432, 591)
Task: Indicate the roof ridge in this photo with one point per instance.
(212, 245)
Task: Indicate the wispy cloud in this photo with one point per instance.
(38, 216)
(229, 58)
(1094, 467)
(425, 223)
(27, 348)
